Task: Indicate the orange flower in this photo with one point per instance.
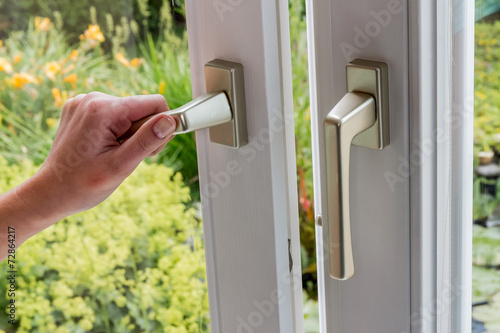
(57, 96)
(121, 58)
(161, 87)
(71, 79)
(136, 62)
(93, 33)
(18, 58)
(73, 55)
(51, 69)
(20, 79)
(43, 24)
(5, 66)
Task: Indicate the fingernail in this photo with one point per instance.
(164, 127)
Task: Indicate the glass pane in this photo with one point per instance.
(486, 246)
(134, 263)
(302, 121)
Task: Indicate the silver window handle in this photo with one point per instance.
(222, 109)
(205, 111)
(360, 118)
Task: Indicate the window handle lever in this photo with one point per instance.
(222, 109)
(360, 118)
(205, 111)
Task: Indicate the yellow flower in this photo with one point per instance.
(93, 33)
(20, 79)
(57, 96)
(1, 44)
(121, 58)
(43, 24)
(161, 87)
(481, 95)
(73, 55)
(51, 69)
(18, 58)
(5, 66)
(136, 62)
(71, 79)
(51, 122)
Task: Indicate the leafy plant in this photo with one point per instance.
(311, 315)
(484, 203)
(486, 251)
(489, 314)
(298, 39)
(487, 84)
(135, 263)
(14, 14)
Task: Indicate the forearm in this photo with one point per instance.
(25, 211)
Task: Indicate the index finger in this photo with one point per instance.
(127, 110)
(141, 106)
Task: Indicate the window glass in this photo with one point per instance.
(135, 263)
(486, 231)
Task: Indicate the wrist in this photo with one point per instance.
(34, 205)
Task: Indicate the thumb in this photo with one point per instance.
(151, 136)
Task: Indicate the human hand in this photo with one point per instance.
(86, 162)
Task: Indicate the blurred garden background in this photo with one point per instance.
(486, 242)
(116, 268)
(136, 262)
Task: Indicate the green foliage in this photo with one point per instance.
(311, 315)
(485, 283)
(135, 263)
(298, 39)
(486, 249)
(489, 314)
(486, 246)
(484, 204)
(487, 85)
(14, 14)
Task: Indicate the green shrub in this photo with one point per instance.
(135, 263)
(487, 85)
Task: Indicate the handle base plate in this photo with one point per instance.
(221, 75)
(371, 77)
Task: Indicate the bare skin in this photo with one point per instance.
(86, 163)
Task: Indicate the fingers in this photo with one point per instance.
(140, 106)
(117, 113)
(152, 136)
(124, 111)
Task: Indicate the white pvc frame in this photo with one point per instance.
(441, 98)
